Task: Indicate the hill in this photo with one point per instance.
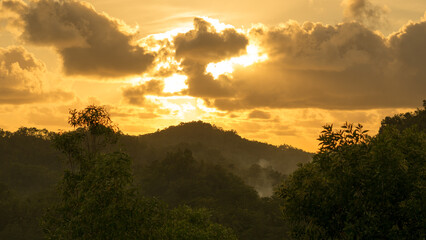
(30, 164)
(259, 164)
(219, 175)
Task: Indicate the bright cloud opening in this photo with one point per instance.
(227, 66)
(175, 83)
(135, 81)
(172, 33)
(216, 23)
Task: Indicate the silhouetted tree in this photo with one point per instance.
(97, 199)
(359, 187)
(406, 120)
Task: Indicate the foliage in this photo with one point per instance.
(97, 198)
(331, 140)
(20, 217)
(405, 120)
(31, 167)
(186, 223)
(28, 163)
(96, 203)
(359, 187)
(181, 179)
(94, 132)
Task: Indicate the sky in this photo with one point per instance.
(274, 71)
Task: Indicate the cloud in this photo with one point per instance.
(201, 46)
(363, 11)
(21, 77)
(205, 44)
(320, 47)
(90, 43)
(259, 114)
(136, 95)
(346, 66)
(309, 65)
(408, 46)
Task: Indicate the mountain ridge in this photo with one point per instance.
(260, 165)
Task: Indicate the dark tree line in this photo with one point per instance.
(362, 187)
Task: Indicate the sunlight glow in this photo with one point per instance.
(217, 24)
(138, 80)
(158, 41)
(227, 66)
(180, 99)
(201, 105)
(172, 33)
(184, 108)
(175, 83)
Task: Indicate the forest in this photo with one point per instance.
(198, 181)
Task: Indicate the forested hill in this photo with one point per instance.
(259, 164)
(221, 174)
(212, 143)
(29, 162)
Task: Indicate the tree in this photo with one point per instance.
(331, 140)
(97, 200)
(406, 120)
(358, 187)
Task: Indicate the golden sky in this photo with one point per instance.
(275, 71)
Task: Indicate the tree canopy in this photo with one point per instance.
(98, 200)
(361, 187)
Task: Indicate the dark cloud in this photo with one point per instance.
(20, 78)
(89, 42)
(319, 47)
(346, 66)
(259, 114)
(365, 12)
(136, 95)
(204, 45)
(202, 84)
(408, 45)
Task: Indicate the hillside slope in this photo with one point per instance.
(259, 164)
